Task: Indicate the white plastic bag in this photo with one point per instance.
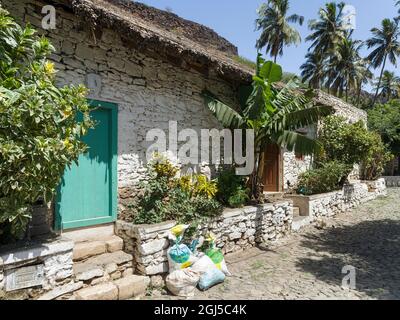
(202, 265)
(183, 283)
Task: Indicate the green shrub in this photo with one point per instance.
(39, 133)
(186, 199)
(343, 142)
(329, 177)
(232, 190)
(373, 164)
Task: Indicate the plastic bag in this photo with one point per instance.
(179, 255)
(216, 255)
(210, 275)
(210, 278)
(183, 283)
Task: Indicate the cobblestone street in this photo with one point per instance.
(309, 265)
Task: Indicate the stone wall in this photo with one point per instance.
(330, 204)
(392, 182)
(53, 260)
(236, 230)
(149, 92)
(293, 166)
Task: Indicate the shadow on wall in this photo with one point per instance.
(371, 247)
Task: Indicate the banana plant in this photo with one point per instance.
(275, 113)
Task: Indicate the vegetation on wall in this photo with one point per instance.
(39, 134)
(344, 145)
(327, 177)
(186, 199)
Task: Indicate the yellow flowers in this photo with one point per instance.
(49, 68)
(67, 112)
(68, 145)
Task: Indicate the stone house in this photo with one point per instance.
(144, 67)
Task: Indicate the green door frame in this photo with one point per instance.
(59, 225)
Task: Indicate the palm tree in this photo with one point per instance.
(385, 42)
(363, 75)
(390, 85)
(274, 115)
(344, 66)
(313, 70)
(276, 29)
(328, 32)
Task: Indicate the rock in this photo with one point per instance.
(127, 272)
(153, 246)
(83, 250)
(157, 281)
(89, 274)
(234, 235)
(59, 291)
(103, 291)
(111, 267)
(132, 286)
(114, 244)
(116, 275)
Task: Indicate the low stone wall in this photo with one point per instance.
(330, 204)
(41, 266)
(235, 229)
(392, 181)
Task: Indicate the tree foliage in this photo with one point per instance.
(39, 134)
(385, 119)
(275, 25)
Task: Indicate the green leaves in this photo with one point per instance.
(271, 72)
(37, 141)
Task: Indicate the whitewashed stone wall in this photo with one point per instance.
(55, 258)
(149, 92)
(330, 204)
(293, 167)
(236, 230)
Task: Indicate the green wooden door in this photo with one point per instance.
(87, 195)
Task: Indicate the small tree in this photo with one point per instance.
(352, 144)
(39, 133)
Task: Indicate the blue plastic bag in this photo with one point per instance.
(210, 278)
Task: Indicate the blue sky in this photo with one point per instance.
(234, 20)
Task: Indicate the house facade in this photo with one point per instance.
(144, 68)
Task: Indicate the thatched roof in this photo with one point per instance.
(161, 33)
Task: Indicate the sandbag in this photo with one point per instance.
(216, 255)
(179, 255)
(210, 278)
(203, 265)
(182, 283)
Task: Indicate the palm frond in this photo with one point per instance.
(297, 142)
(227, 116)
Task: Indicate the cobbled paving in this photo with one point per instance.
(309, 264)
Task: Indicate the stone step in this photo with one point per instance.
(300, 222)
(86, 249)
(104, 267)
(273, 196)
(296, 212)
(90, 234)
(122, 289)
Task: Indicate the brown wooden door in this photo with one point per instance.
(271, 169)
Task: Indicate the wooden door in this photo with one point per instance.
(272, 168)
